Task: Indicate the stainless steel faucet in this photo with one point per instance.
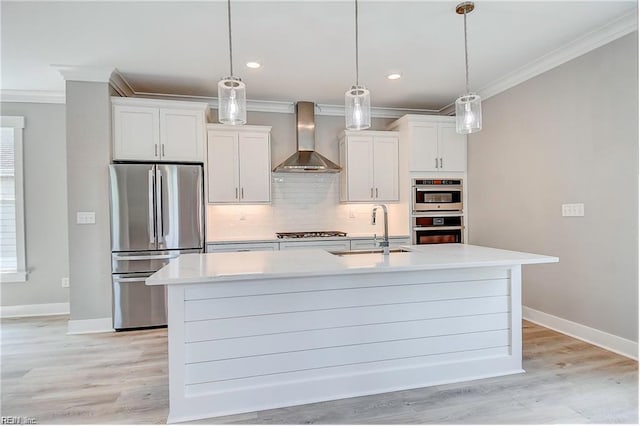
(385, 242)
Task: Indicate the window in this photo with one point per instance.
(12, 247)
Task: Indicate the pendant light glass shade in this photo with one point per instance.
(357, 107)
(232, 93)
(357, 100)
(468, 114)
(468, 106)
(232, 101)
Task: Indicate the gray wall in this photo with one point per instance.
(569, 135)
(45, 186)
(88, 157)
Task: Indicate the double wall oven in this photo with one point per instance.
(437, 211)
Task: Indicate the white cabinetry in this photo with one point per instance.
(234, 247)
(333, 245)
(370, 166)
(434, 145)
(238, 164)
(156, 130)
(374, 243)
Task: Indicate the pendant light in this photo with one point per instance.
(232, 99)
(468, 106)
(357, 102)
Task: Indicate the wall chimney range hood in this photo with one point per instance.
(306, 159)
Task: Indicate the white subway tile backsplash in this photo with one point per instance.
(300, 202)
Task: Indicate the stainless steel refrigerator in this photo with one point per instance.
(157, 213)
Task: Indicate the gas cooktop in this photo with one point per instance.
(311, 234)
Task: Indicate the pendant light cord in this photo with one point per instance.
(357, 70)
(230, 49)
(466, 54)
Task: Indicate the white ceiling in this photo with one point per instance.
(306, 47)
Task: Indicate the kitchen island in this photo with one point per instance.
(251, 331)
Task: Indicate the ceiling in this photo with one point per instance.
(306, 47)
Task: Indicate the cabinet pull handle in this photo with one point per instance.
(371, 192)
(440, 162)
(155, 150)
(436, 162)
(242, 193)
(163, 151)
(236, 193)
(376, 192)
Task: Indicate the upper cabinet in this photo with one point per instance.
(157, 130)
(370, 166)
(238, 164)
(434, 145)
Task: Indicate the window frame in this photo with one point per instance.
(20, 274)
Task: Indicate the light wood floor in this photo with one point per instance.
(122, 378)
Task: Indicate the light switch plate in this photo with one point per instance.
(85, 218)
(65, 282)
(576, 209)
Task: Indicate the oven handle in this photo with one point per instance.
(438, 228)
(435, 188)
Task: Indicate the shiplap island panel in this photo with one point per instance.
(257, 330)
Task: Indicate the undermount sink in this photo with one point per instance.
(373, 251)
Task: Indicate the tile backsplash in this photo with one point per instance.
(301, 202)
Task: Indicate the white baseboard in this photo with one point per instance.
(607, 341)
(38, 310)
(95, 325)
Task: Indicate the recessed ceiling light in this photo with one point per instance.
(394, 76)
(254, 64)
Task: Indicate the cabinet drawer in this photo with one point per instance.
(371, 243)
(221, 248)
(324, 245)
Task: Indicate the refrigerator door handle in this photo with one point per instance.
(152, 227)
(150, 257)
(160, 208)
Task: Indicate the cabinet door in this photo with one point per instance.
(424, 147)
(359, 168)
(136, 133)
(255, 167)
(452, 148)
(385, 168)
(222, 167)
(181, 135)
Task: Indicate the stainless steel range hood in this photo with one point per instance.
(306, 159)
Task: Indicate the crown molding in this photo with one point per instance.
(120, 84)
(592, 40)
(376, 112)
(33, 96)
(82, 73)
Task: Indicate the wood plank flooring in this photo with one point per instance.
(121, 378)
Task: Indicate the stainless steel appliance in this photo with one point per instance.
(437, 195)
(157, 213)
(437, 215)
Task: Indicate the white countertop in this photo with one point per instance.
(238, 266)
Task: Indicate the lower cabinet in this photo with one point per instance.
(325, 245)
(331, 245)
(231, 247)
(366, 244)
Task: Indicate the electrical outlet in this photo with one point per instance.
(85, 218)
(352, 214)
(65, 282)
(573, 209)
